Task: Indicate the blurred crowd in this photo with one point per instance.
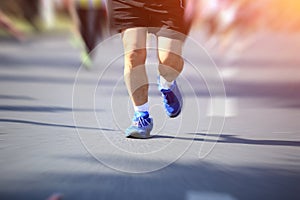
(87, 19)
(223, 21)
(226, 21)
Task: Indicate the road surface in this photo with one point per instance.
(61, 126)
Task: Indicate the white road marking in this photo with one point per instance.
(194, 195)
(228, 72)
(223, 107)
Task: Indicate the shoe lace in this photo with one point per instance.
(142, 122)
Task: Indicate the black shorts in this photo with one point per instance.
(165, 17)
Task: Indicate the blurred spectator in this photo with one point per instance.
(30, 11)
(48, 13)
(27, 10)
(233, 24)
(90, 19)
(8, 25)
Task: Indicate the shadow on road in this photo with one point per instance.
(51, 109)
(53, 125)
(15, 97)
(232, 139)
(47, 79)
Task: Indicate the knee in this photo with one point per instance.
(135, 58)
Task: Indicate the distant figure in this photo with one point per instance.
(26, 10)
(30, 9)
(90, 19)
(55, 197)
(8, 25)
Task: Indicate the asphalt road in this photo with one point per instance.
(61, 126)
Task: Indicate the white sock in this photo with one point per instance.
(142, 108)
(164, 84)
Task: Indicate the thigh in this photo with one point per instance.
(168, 45)
(134, 38)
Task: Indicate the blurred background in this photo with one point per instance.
(223, 19)
(226, 28)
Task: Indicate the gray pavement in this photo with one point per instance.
(61, 126)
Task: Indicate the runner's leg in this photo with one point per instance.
(134, 41)
(171, 65)
(169, 53)
(83, 15)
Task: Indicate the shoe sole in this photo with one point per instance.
(137, 135)
(174, 115)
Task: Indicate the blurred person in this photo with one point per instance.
(216, 15)
(191, 13)
(48, 13)
(226, 18)
(247, 20)
(90, 20)
(56, 196)
(235, 21)
(209, 19)
(30, 11)
(9, 26)
(27, 10)
(167, 20)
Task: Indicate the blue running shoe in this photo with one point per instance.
(172, 100)
(141, 126)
